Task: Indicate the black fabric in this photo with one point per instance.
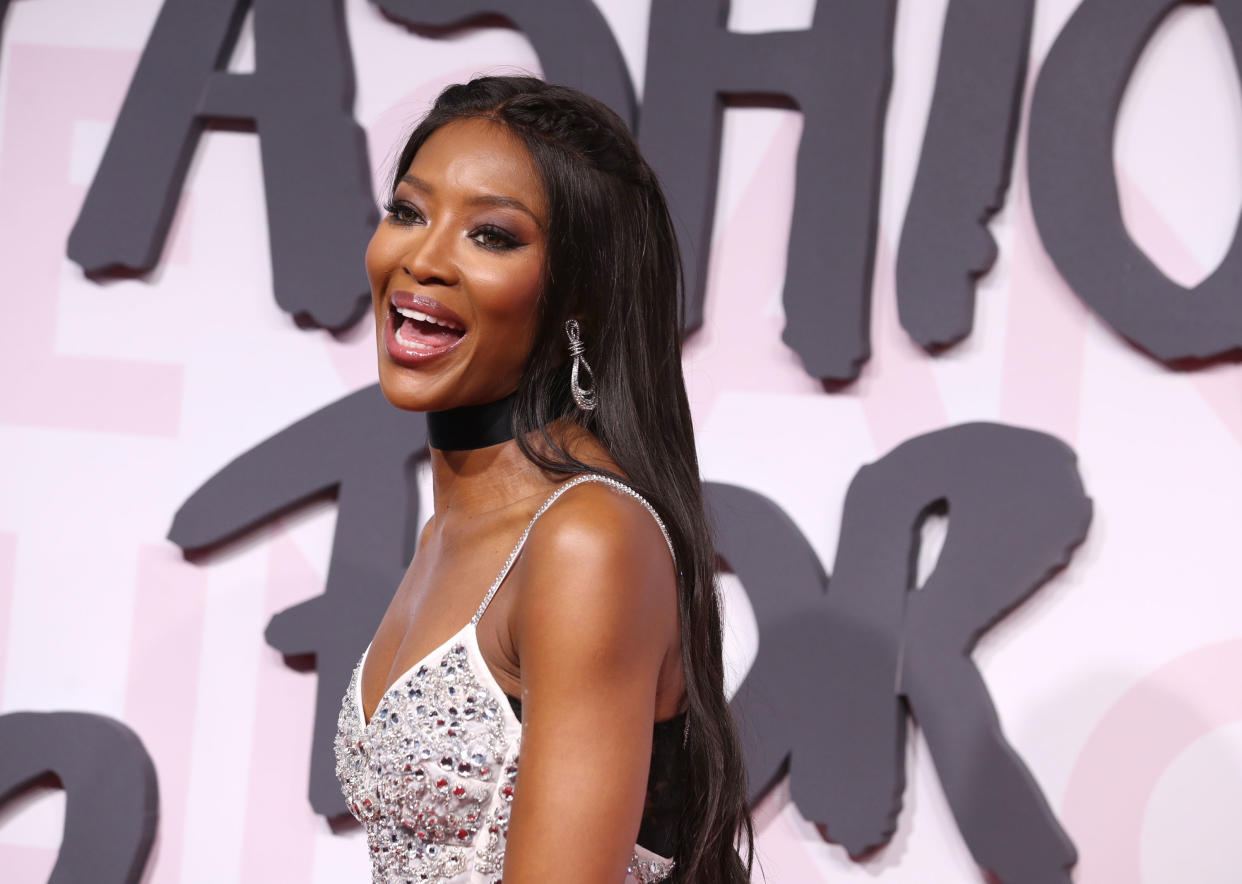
(472, 426)
(666, 784)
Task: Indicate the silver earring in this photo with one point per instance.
(584, 398)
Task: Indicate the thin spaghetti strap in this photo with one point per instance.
(577, 480)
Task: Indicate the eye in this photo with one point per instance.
(401, 212)
(495, 238)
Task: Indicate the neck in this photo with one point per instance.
(471, 483)
(476, 466)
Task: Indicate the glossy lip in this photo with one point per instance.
(410, 356)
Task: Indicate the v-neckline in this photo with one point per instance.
(362, 715)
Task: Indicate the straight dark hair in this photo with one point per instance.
(613, 264)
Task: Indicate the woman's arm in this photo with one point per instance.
(595, 616)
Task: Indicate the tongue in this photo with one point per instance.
(426, 334)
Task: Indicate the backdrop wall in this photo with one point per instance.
(1115, 682)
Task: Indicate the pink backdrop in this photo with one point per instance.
(1117, 682)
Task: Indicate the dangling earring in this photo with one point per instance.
(584, 398)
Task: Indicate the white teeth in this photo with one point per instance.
(423, 317)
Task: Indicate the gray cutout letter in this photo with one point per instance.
(1017, 510)
(367, 451)
(838, 73)
(572, 38)
(300, 98)
(1074, 188)
(837, 672)
(964, 169)
(111, 793)
(785, 581)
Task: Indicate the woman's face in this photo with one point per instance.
(456, 269)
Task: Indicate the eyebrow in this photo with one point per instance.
(483, 199)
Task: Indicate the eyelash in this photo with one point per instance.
(506, 242)
(401, 212)
(398, 212)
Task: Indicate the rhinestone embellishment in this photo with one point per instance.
(423, 774)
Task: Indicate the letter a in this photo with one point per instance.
(299, 99)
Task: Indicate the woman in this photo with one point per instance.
(525, 284)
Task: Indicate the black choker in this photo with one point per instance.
(472, 426)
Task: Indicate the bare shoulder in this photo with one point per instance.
(594, 524)
(597, 561)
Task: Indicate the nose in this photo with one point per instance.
(429, 260)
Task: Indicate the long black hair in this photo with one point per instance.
(613, 264)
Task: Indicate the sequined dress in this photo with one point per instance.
(431, 776)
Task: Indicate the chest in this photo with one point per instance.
(439, 593)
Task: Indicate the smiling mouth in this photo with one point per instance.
(420, 331)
